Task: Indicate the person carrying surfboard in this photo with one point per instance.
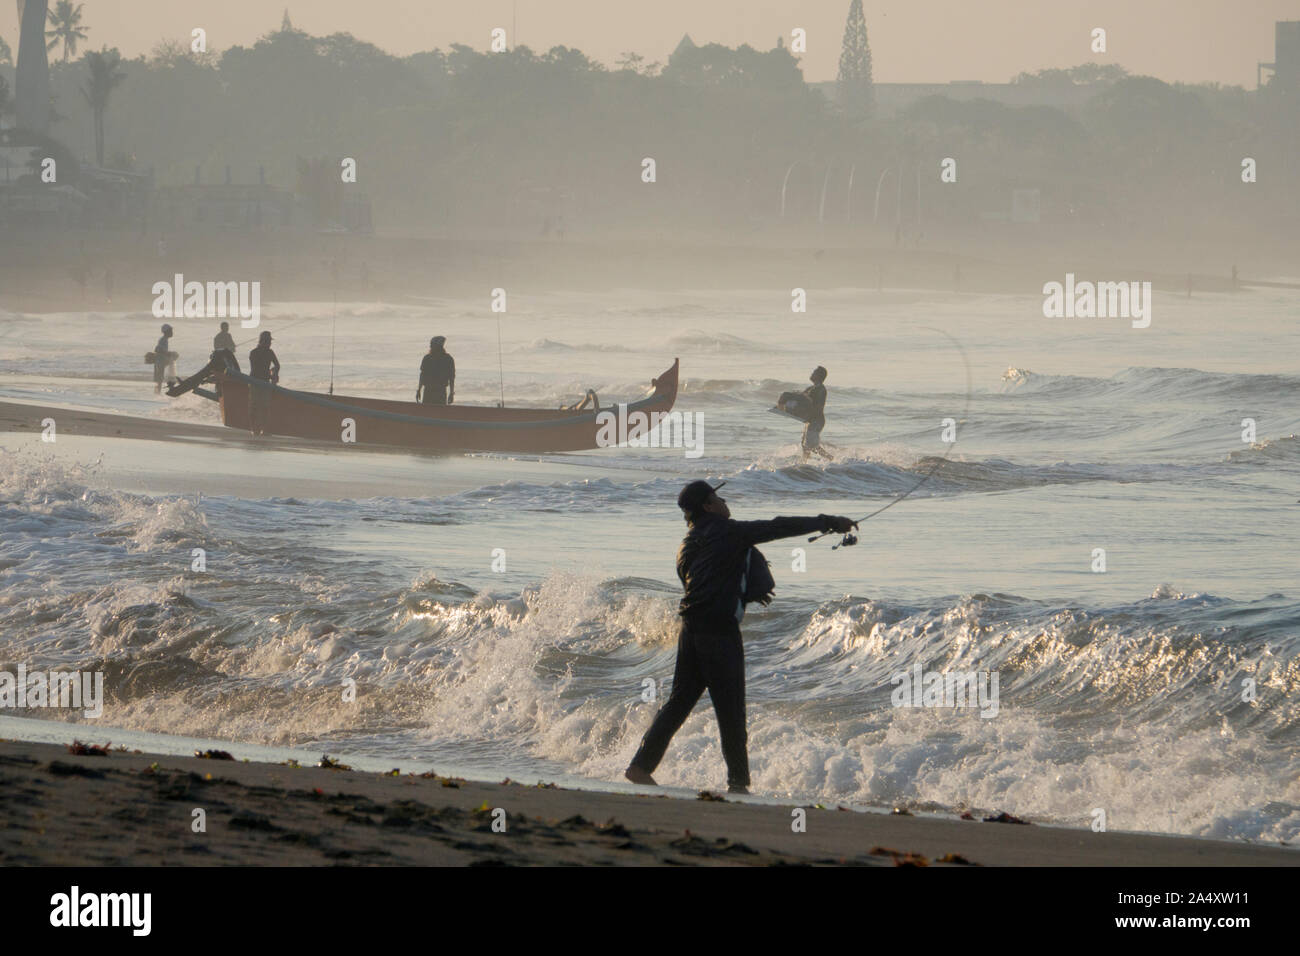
(812, 431)
(164, 361)
(721, 571)
(809, 406)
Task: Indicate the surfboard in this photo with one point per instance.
(778, 410)
(794, 404)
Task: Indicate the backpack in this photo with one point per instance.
(759, 583)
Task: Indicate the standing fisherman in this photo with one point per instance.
(721, 572)
(437, 375)
(264, 366)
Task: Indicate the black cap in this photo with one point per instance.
(695, 494)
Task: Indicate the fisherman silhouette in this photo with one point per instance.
(721, 571)
(264, 366)
(437, 375)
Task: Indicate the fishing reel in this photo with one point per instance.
(847, 541)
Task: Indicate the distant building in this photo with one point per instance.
(24, 200)
(246, 207)
(892, 98)
(1285, 68)
(239, 207)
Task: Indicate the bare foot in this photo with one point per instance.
(637, 775)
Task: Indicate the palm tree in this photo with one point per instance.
(66, 20)
(105, 76)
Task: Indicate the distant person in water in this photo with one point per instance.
(164, 361)
(720, 573)
(812, 430)
(437, 375)
(810, 407)
(264, 366)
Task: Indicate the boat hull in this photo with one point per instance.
(433, 428)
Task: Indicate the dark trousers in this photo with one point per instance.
(435, 395)
(709, 656)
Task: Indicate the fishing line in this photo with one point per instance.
(305, 318)
(849, 539)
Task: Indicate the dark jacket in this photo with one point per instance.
(712, 559)
(437, 369)
(263, 364)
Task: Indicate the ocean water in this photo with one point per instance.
(502, 614)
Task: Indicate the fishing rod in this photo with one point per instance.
(850, 539)
(501, 369)
(334, 318)
(277, 331)
(332, 324)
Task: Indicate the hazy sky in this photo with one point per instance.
(911, 40)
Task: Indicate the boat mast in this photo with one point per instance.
(500, 367)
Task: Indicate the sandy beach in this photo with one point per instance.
(138, 809)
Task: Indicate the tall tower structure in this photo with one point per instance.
(1286, 64)
(32, 76)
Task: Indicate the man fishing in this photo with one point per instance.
(720, 572)
(437, 375)
(264, 366)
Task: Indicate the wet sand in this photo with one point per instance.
(26, 418)
(133, 809)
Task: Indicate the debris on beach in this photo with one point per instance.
(330, 764)
(213, 755)
(902, 812)
(710, 797)
(955, 858)
(967, 816)
(1005, 817)
(78, 749)
(900, 858)
(698, 846)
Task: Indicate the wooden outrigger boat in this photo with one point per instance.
(432, 428)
